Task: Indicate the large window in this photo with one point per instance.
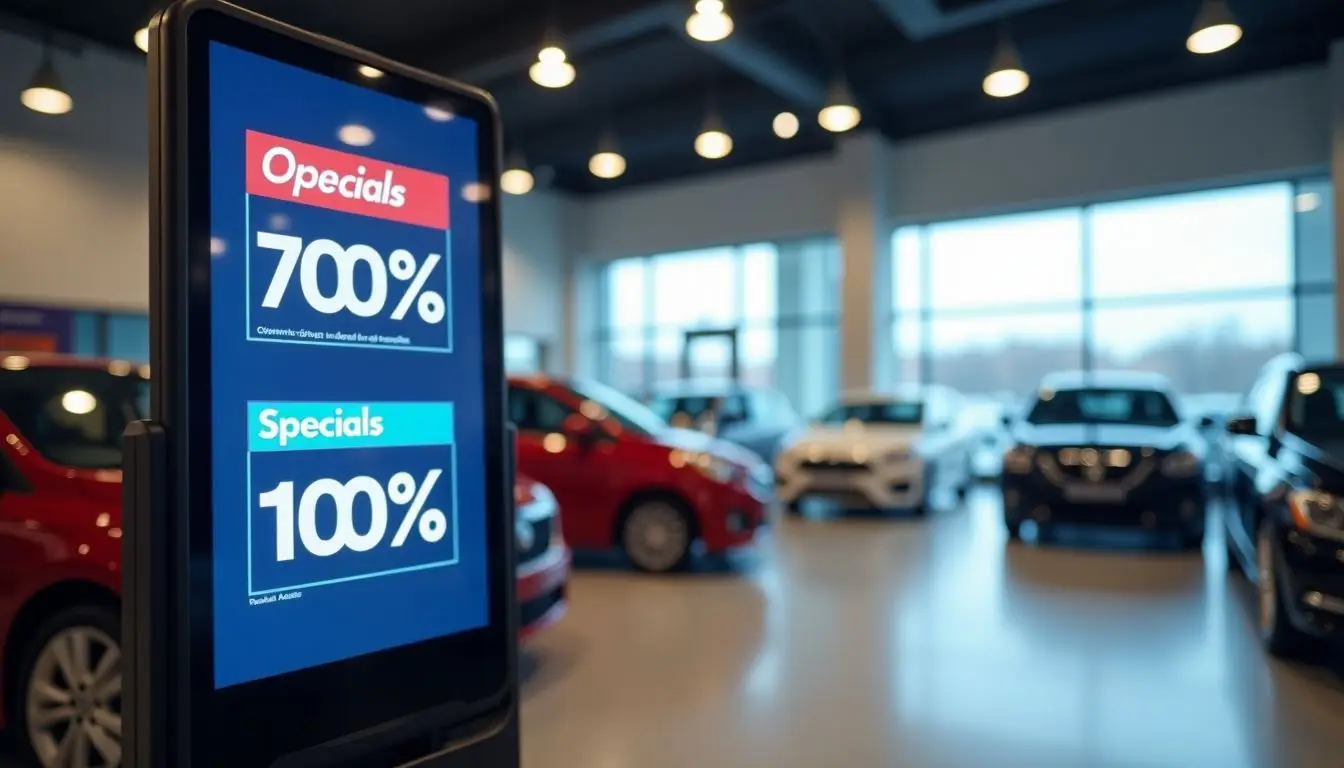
(1202, 288)
(765, 313)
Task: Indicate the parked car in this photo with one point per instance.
(1285, 527)
(755, 418)
(61, 421)
(1211, 411)
(878, 450)
(1105, 448)
(625, 478)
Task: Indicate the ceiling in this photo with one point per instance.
(914, 66)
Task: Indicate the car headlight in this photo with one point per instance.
(1318, 512)
(714, 468)
(1017, 460)
(1180, 464)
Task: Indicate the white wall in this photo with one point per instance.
(1265, 126)
(74, 199)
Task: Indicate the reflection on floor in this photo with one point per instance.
(880, 642)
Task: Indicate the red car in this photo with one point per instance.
(625, 478)
(61, 421)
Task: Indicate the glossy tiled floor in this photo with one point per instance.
(893, 642)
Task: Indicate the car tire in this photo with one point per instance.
(82, 642)
(657, 535)
(1277, 633)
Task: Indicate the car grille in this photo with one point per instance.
(1096, 464)
(541, 541)
(822, 466)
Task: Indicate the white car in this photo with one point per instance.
(884, 451)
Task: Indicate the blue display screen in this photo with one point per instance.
(347, 392)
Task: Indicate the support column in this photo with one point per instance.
(1336, 96)
(865, 250)
(801, 295)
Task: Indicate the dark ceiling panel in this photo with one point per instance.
(915, 65)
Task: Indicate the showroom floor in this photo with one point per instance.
(894, 642)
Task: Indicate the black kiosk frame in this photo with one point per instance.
(447, 701)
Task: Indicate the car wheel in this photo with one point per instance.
(68, 712)
(657, 535)
(1277, 632)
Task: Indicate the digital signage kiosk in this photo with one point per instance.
(319, 564)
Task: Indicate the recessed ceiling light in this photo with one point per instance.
(786, 125)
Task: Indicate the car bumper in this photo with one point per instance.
(1311, 577)
(542, 591)
(891, 486)
(730, 518)
(1169, 506)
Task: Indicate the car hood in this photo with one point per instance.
(1133, 435)
(873, 436)
(698, 442)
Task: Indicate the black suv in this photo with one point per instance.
(1105, 448)
(1285, 527)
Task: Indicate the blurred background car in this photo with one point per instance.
(877, 450)
(1105, 448)
(1285, 527)
(625, 478)
(62, 420)
(756, 418)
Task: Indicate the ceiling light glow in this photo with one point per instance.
(373, 73)
(1006, 82)
(713, 144)
(838, 118)
(142, 39)
(552, 70)
(516, 181)
(606, 165)
(786, 125)
(710, 23)
(45, 93)
(1214, 29)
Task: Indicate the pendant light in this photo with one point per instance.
(839, 114)
(607, 162)
(44, 93)
(713, 143)
(142, 39)
(552, 68)
(710, 22)
(1006, 76)
(1215, 28)
(516, 179)
(785, 125)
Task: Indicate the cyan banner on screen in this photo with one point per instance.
(300, 426)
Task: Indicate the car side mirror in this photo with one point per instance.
(1206, 422)
(1241, 425)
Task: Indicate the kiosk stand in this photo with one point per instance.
(319, 552)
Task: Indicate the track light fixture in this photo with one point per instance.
(516, 179)
(607, 162)
(1215, 28)
(45, 93)
(1006, 75)
(840, 114)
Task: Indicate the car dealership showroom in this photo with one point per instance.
(896, 383)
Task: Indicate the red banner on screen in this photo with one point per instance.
(285, 169)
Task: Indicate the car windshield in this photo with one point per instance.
(894, 412)
(627, 411)
(1145, 407)
(1316, 403)
(73, 416)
